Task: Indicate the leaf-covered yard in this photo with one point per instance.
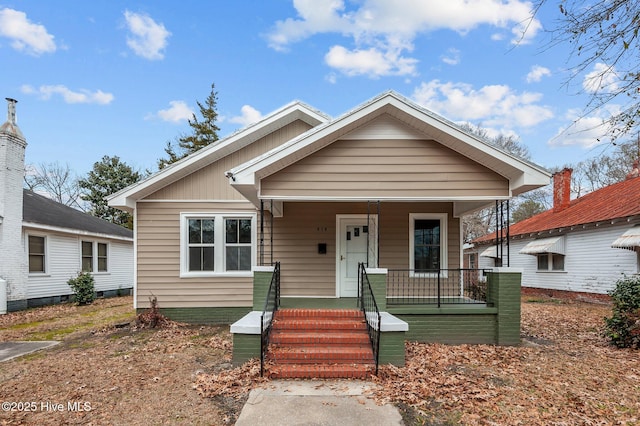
(565, 373)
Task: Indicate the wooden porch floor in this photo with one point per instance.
(319, 303)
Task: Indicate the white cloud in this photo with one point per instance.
(25, 35)
(81, 96)
(602, 78)
(383, 30)
(452, 57)
(372, 62)
(497, 106)
(537, 73)
(148, 39)
(585, 132)
(248, 115)
(178, 111)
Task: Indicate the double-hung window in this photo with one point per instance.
(550, 262)
(94, 256)
(427, 242)
(37, 255)
(217, 244)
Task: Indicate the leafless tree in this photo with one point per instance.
(55, 181)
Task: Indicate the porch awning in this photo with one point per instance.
(629, 240)
(490, 252)
(544, 245)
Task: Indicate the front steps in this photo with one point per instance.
(319, 343)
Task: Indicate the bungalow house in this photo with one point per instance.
(582, 246)
(383, 185)
(44, 243)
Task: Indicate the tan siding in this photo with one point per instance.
(209, 183)
(385, 168)
(158, 272)
(304, 272)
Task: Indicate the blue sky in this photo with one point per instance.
(98, 78)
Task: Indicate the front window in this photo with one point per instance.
(201, 245)
(102, 257)
(427, 242)
(426, 245)
(550, 262)
(36, 254)
(238, 244)
(87, 256)
(214, 244)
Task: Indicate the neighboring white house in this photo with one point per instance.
(44, 243)
(582, 245)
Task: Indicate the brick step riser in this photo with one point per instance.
(321, 340)
(319, 313)
(319, 373)
(324, 327)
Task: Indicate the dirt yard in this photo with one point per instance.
(107, 371)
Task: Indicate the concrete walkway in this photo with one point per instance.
(317, 403)
(10, 350)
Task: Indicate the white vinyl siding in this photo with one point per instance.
(63, 260)
(591, 265)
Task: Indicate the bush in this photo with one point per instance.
(623, 328)
(83, 287)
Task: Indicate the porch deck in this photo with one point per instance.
(319, 302)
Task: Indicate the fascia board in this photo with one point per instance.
(296, 110)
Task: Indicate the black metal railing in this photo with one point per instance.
(371, 312)
(440, 287)
(271, 305)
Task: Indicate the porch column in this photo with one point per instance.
(503, 292)
(261, 281)
(378, 280)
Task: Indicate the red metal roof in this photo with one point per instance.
(611, 202)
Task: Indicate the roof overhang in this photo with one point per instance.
(126, 199)
(545, 245)
(521, 174)
(39, 227)
(630, 240)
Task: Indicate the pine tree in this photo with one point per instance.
(108, 176)
(205, 132)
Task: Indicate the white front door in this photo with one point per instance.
(353, 241)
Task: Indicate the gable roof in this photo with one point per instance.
(522, 174)
(617, 201)
(126, 198)
(42, 212)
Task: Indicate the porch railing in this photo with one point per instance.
(371, 312)
(271, 305)
(444, 286)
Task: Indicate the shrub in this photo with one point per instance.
(152, 317)
(83, 287)
(623, 328)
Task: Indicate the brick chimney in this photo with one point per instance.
(561, 189)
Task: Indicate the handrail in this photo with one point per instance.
(271, 305)
(462, 286)
(371, 312)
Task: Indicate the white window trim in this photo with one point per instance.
(444, 242)
(219, 243)
(550, 264)
(46, 256)
(94, 256)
